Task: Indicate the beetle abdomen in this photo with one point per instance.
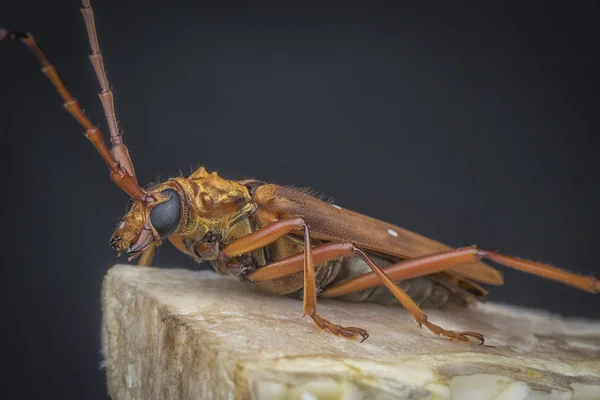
(427, 291)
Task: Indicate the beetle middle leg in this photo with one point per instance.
(270, 233)
(330, 251)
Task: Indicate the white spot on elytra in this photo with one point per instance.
(393, 232)
(336, 206)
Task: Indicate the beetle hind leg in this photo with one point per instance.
(464, 337)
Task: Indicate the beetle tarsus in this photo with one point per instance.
(349, 332)
(365, 336)
(474, 335)
(463, 337)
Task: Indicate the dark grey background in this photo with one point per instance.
(472, 125)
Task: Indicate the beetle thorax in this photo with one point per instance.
(213, 205)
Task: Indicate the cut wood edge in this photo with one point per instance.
(170, 334)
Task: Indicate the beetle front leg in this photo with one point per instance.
(147, 256)
(276, 230)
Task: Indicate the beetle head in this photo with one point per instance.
(201, 209)
(149, 223)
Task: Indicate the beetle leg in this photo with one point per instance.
(438, 262)
(329, 251)
(147, 256)
(310, 298)
(264, 236)
(290, 265)
(269, 234)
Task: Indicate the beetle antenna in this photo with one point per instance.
(118, 149)
(117, 165)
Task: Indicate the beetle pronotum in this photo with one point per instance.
(284, 240)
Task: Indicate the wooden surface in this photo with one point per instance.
(183, 334)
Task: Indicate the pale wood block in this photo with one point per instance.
(194, 335)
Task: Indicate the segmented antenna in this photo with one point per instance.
(117, 157)
(118, 149)
(106, 94)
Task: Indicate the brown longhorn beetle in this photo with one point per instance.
(284, 240)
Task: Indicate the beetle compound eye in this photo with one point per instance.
(165, 216)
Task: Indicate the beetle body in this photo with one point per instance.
(217, 212)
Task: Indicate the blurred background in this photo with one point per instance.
(468, 124)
